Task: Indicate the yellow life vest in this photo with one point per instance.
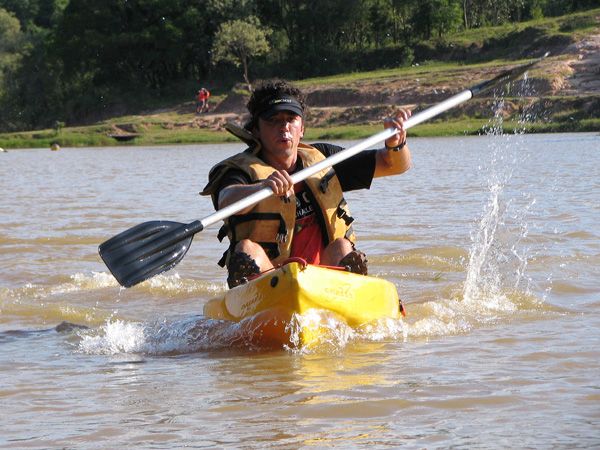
(271, 223)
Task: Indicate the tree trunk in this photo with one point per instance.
(246, 78)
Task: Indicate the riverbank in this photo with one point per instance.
(561, 94)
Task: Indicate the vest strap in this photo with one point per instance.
(342, 213)
(324, 183)
(222, 232)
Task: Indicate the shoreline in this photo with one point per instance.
(540, 114)
(533, 116)
(309, 138)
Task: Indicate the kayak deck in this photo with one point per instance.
(270, 301)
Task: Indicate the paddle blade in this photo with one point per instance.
(505, 77)
(147, 249)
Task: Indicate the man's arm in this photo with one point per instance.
(395, 158)
(358, 172)
(390, 162)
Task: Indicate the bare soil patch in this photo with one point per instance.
(570, 71)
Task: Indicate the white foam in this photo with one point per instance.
(156, 338)
(115, 337)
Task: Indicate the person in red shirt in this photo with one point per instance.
(308, 220)
(202, 101)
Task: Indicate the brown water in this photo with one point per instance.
(494, 245)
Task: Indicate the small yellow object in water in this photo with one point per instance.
(54, 147)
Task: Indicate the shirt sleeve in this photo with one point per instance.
(354, 173)
(231, 177)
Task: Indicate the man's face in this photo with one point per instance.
(280, 135)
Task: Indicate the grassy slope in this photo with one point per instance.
(503, 45)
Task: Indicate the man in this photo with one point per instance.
(309, 220)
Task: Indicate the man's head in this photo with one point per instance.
(271, 97)
(277, 120)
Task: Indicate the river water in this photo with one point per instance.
(492, 241)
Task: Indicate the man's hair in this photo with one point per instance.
(268, 89)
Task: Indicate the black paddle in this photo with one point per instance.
(156, 246)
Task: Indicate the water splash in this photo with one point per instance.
(152, 338)
(198, 334)
(498, 259)
(496, 284)
(117, 337)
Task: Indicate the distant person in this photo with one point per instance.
(309, 220)
(202, 101)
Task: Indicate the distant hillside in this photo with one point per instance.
(561, 94)
(566, 82)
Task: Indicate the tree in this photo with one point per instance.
(24, 10)
(239, 41)
(11, 42)
(32, 13)
(437, 17)
(10, 33)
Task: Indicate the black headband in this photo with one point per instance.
(273, 105)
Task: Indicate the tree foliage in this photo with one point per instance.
(10, 34)
(238, 42)
(11, 40)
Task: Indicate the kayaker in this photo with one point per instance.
(310, 220)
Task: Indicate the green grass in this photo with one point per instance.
(94, 136)
(434, 71)
(154, 136)
(572, 24)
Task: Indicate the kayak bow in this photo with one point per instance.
(272, 301)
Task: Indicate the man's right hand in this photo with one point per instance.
(280, 183)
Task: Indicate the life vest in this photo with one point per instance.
(271, 223)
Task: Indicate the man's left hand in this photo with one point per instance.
(397, 121)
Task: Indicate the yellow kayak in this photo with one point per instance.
(270, 301)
